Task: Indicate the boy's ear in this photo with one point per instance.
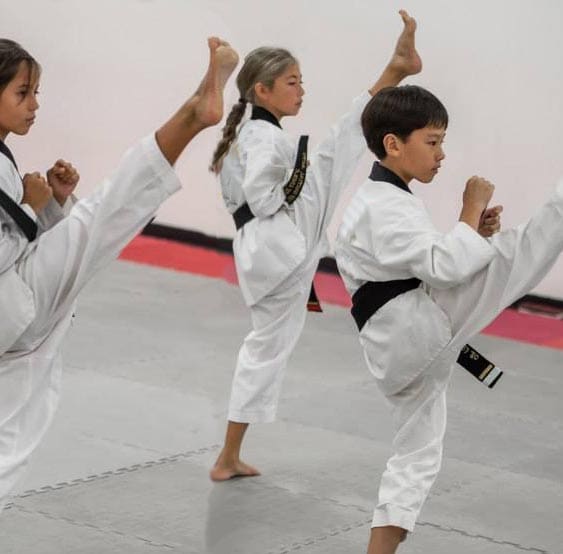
(392, 145)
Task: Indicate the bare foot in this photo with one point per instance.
(223, 472)
(209, 96)
(405, 59)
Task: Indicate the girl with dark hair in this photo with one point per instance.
(282, 204)
(47, 258)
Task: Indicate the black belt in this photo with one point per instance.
(13, 209)
(371, 296)
(242, 216)
(292, 190)
(374, 294)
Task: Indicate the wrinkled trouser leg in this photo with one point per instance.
(332, 165)
(98, 227)
(30, 386)
(277, 322)
(64, 259)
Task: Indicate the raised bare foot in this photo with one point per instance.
(209, 96)
(405, 59)
(223, 472)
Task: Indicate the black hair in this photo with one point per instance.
(400, 111)
(11, 56)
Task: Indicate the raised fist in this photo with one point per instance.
(478, 193)
(36, 191)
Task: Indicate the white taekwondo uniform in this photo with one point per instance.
(39, 282)
(411, 343)
(277, 252)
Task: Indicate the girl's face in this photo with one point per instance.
(286, 96)
(18, 102)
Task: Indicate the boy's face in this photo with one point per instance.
(420, 156)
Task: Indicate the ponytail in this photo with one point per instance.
(262, 65)
(229, 133)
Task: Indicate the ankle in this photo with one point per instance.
(227, 458)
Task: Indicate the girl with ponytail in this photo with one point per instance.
(282, 201)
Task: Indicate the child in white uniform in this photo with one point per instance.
(282, 204)
(431, 291)
(41, 277)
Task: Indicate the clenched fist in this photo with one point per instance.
(476, 196)
(62, 178)
(490, 222)
(478, 192)
(36, 191)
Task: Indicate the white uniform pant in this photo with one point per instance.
(278, 318)
(331, 167)
(62, 261)
(277, 322)
(523, 257)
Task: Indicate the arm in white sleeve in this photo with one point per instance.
(12, 241)
(54, 212)
(442, 260)
(12, 245)
(265, 174)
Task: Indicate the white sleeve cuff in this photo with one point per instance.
(482, 252)
(29, 211)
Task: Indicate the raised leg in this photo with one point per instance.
(98, 227)
(205, 108)
(524, 256)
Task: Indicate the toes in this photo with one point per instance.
(214, 43)
(409, 22)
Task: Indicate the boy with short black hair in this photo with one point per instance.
(420, 294)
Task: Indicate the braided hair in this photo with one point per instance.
(263, 65)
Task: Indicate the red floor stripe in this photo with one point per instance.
(510, 324)
(181, 257)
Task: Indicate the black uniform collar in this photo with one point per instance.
(7, 152)
(380, 173)
(258, 112)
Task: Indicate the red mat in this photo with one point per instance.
(510, 324)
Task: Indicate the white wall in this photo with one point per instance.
(114, 69)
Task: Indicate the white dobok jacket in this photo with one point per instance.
(386, 234)
(16, 299)
(259, 163)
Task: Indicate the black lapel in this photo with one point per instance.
(380, 173)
